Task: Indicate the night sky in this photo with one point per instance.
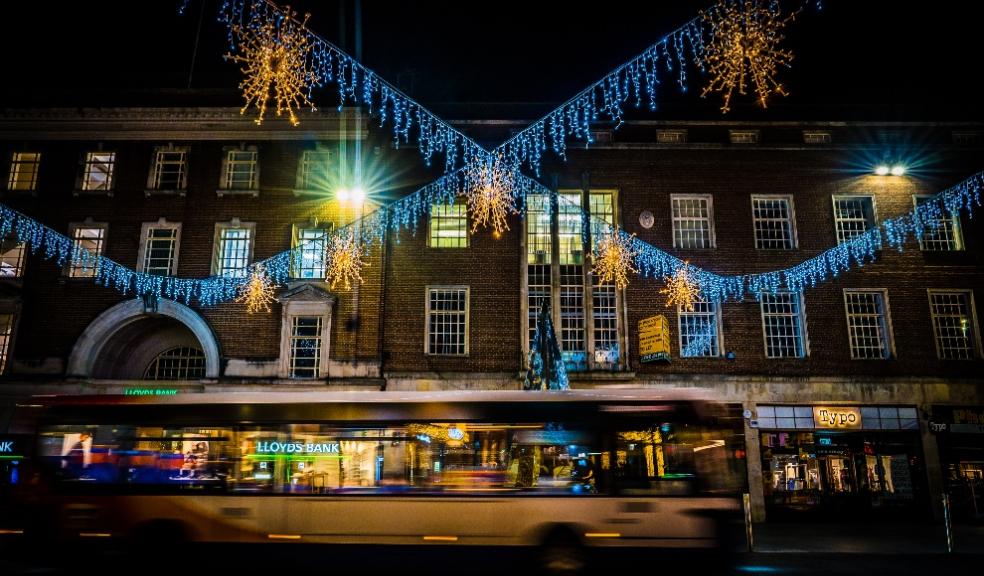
(855, 59)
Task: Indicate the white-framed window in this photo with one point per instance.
(305, 346)
(98, 170)
(585, 310)
(817, 137)
(774, 222)
(170, 168)
(24, 168)
(743, 136)
(448, 225)
(868, 324)
(313, 170)
(853, 216)
(783, 325)
(159, 243)
(693, 221)
(954, 324)
(310, 243)
(11, 259)
(240, 169)
(700, 330)
(6, 329)
(671, 136)
(233, 248)
(447, 321)
(178, 363)
(942, 235)
(89, 236)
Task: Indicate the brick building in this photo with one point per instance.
(194, 192)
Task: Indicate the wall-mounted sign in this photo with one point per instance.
(265, 447)
(6, 446)
(150, 391)
(654, 339)
(837, 417)
(958, 419)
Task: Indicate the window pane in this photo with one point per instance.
(11, 259)
(90, 240)
(98, 172)
(313, 173)
(449, 226)
(853, 216)
(309, 257)
(447, 315)
(181, 363)
(691, 222)
(773, 222)
(169, 170)
(305, 346)
(867, 325)
(160, 248)
(942, 230)
(955, 339)
(6, 327)
(233, 252)
(24, 171)
(240, 170)
(699, 330)
(782, 324)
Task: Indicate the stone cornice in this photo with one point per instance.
(185, 123)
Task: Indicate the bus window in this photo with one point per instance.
(107, 454)
(671, 459)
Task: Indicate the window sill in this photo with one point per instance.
(236, 192)
(79, 192)
(163, 192)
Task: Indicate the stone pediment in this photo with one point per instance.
(307, 292)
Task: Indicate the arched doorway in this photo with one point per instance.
(124, 342)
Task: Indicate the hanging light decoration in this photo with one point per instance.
(682, 289)
(489, 189)
(257, 292)
(744, 49)
(344, 261)
(614, 258)
(273, 50)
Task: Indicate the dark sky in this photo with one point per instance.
(896, 60)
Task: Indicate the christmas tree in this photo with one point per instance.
(546, 371)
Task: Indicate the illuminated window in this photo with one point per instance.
(239, 169)
(867, 324)
(312, 171)
(97, 172)
(783, 325)
(11, 259)
(941, 234)
(954, 324)
(772, 217)
(180, 363)
(447, 321)
(586, 317)
(817, 138)
(671, 136)
(448, 226)
(170, 169)
(693, 221)
(159, 248)
(233, 248)
(24, 168)
(91, 238)
(853, 216)
(6, 328)
(305, 346)
(700, 330)
(309, 245)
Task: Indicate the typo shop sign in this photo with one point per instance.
(837, 417)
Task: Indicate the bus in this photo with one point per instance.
(562, 471)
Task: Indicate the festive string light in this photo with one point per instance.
(274, 52)
(490, 191)
(682, 289)
(614, 258)
(344, 261)
(744, 48)
(257, 292)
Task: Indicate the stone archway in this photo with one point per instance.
(120, 342)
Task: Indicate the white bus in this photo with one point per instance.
(559, 470)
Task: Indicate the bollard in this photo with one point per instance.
(947, 523)
(746, 502)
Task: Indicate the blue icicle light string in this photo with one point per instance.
(651, 261)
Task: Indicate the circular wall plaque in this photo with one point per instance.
(646, 219)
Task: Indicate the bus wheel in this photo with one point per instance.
(562, 554)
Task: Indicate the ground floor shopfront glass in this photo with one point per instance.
(960, 436)
(867, 462)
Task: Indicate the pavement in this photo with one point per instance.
(865, 538)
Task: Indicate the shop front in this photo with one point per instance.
(959, 434)
(842, 462)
